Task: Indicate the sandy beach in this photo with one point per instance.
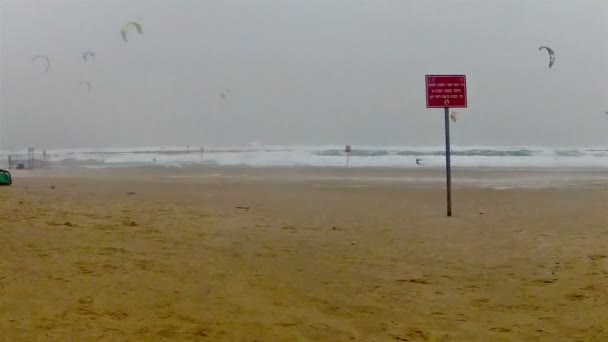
(268, 255)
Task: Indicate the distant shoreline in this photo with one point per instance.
(331, 156)
(495, 178)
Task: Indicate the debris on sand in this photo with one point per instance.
(131, 193)
(243, 208)
(52, 187)
(414, 281)
(68, 223)
(130, 223)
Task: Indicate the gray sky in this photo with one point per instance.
(301, 72)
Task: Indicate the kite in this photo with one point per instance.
(87, 83)
(551, 54)
(125, 29)
(46, 59)
(88, 54)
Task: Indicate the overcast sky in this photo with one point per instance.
(300, 72)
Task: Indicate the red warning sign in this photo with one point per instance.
(446, 91)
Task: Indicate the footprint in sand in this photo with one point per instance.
(591, 287)
(169, 331)
(595, 257)
(111, 251)
(86, 300)
(144, 264)
(412, 334)
(481, 300)
(544, 282)
(117, 315)
(577, 297)
(285, 325)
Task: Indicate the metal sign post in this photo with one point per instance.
(347, 150)
(448, 162)
(30, 158)
(447, 91)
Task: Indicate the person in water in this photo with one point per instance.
(418, 160)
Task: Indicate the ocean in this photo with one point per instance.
(518, 157)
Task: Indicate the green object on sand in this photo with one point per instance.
(5, 178)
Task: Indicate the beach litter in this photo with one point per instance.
(130, 223)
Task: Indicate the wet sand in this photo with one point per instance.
(263, 255)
